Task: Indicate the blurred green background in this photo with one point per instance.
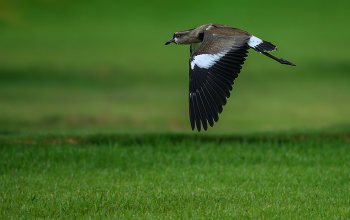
(76, 66)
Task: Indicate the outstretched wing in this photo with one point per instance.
(214, 65)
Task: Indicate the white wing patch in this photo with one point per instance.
(254, 41)
(209, 27)
(206, 60)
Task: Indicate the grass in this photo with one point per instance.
(73, 66)
(94, 114)
(176, 176)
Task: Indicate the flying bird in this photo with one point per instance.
(217, 53)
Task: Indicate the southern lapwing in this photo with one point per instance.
(217, 55)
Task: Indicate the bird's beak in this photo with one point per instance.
(172, 40)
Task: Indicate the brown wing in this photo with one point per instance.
(213, 68)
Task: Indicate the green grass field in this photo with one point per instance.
(94, 113)
(176, 176)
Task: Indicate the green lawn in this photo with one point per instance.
(94, 113)
(176, 176)
(87, 66)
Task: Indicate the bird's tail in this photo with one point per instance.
(262, 46)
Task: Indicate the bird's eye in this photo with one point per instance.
(178, 35)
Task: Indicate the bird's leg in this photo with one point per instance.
(282, 61)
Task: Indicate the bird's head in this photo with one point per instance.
(183, 37)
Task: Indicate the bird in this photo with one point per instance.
(217, 53)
